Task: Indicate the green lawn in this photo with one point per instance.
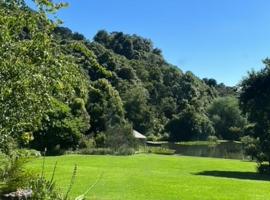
(157, 177)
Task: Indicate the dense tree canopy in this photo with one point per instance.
(105, 106)
(33, 72)
(189, 125)
(227, 118)
(255, 102)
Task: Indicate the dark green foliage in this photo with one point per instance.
(94, 151)
(189, 125)
(255, 102)
(13, 174)
(168, 106)
(250, 146)
(158, 150)
(105, 106)
(263, 168)
(33, 70)
(100, 139)
(117, 140)
(152, 90)
(86, 59)
(66, 34)
(126, 73)
(129, 46)
(222, 89)
(62, 127)
(87, 142)
(211, 82)
(227, 118)
(137, 110)
(121, 139)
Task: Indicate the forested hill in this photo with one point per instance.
(152, 91)
(58, 88)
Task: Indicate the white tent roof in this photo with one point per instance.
(138, 135)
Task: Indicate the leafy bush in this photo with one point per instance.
(11, 166)
(158, 150)
(250, 145)
(14, 175)
(16, 181)
(120, 137)
(227, 118)
(104, 151)
(44, 189)
(94, 151)
(61, 129)
(100, 140)
(105, 106)
(87, 143)
(190, 125)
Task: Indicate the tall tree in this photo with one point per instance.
(227, 118)
(104, 106)
(33, 71)
(255, 102)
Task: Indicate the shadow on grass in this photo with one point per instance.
(236, 174)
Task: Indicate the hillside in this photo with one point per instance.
(153, 91)
(62, 88)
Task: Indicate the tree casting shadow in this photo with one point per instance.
(236, 174)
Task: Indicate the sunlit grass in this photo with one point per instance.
(158, 177)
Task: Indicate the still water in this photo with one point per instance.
(228, 149)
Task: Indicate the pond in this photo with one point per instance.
(223, 149)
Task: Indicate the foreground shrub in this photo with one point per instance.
(18, 183)
(14, 175)
(44, 190)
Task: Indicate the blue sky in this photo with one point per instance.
(220, 39)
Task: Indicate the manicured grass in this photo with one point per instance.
(159, 177)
